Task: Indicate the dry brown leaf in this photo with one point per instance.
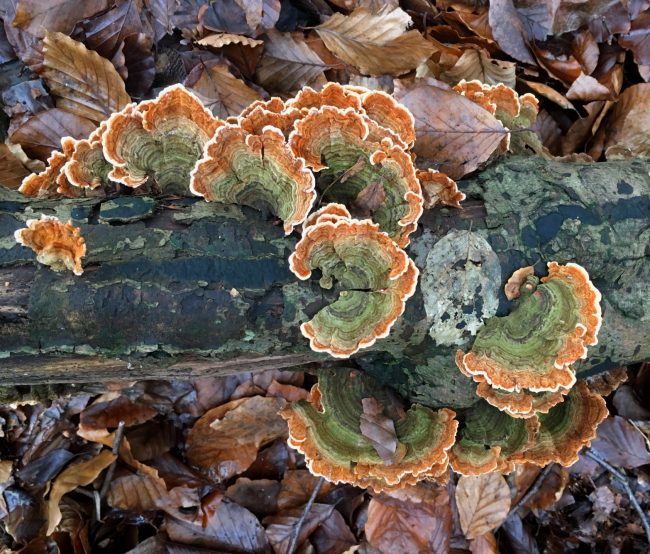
(42, 133)
(513, 285)
(219, 90)
(370, 198)
(380, 431)
(587, 89)
(226, 439)
(399, 525)
(69, 479)
(621, 444)
(477, 64)
(260, 496)
(219, 40)
(296, 487)
(85, 83)
(627, 128)
(288, 63)
(508, 30)
(638, 39)
(102, 415)
(39, 16)
(566, 69)
(451, 130)
(485, 544)
(550, 490)
(290, 393)
(586, 51)
(550, 93)
(483, 503)
(280, 528)
(12, 171)
(376, 43)
(333, 536)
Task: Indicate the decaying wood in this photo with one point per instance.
(179, 287)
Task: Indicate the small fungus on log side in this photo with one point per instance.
(86, 166)
(533, 347)
(377, 277)
(327, 430)
(58, 245)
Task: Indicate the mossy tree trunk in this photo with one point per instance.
(177, 287)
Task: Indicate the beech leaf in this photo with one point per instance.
(376, 43)
(40, 16)
(370, 198)
(289, 63)
(451, 130)
(477, 64)
(587, 89)
(627, 127)
(508, 30)
(220, 90)
(483, 503)
(12, 171)
(379, 429)
(85, 83)
(280, 528)
(399, 525)
(621, 444)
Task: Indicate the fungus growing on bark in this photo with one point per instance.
(438, 188)
(327, 429)
(56, 244)
(255, 170)
(523, 403)
(52, 181)
(566, 428)
(336, 143)
(87, 167)
(271, 112)
(489, 439)
(390, 114)
(332, 94)
(534, 346)
(161, 138)
(375, 275)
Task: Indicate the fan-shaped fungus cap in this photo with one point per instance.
(566, 428)
(390, 114)
(437, 188)
(327, 430)
(161, 138)
(376, 276)
(87, 167)
(489, 439)
(58, 245)
(255, 170)
(332, 94)
(534, 346)
(521, 404)
(336, 143)
(329, 212)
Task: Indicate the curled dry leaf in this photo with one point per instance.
(74, 476)
(483, 503)
(508, 30)
(219, 40)
(280, 528)
(219, 90)
(86, 84)
(451, 129)
(376, 43)
(551, 488)
(401, 525)
(477, 64)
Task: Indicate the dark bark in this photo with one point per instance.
(179, 287)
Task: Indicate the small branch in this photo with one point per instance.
(303, 516)
(623, 480)
(537, 484)
(117, 442)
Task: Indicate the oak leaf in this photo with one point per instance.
(289, 63)
(451, 130)
(376, 43)
(219, 90)
(400, 525)
(85, 83)
(483, 503)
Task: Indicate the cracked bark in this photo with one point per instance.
(180, 288)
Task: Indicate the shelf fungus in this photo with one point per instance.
(258, 170)
(532, 348)
(375, 276)
(271, 112)
(86, 166)
(56, 244)
(351, 430)
(160, 139)
(52, 181)
(371, 178)
(489, 440)
(438, 188)
(566, 428)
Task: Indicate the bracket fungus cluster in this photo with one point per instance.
(351, 430)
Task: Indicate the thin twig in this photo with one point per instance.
(117, 442)
(623, 480)
(303, 516)
(537, 483)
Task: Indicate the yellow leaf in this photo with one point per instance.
(376, 43)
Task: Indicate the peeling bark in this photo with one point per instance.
(180, 287)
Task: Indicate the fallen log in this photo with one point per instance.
(179, 288)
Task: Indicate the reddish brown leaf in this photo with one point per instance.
(585, 50)
(226, 439)
(587, 89)
(259, 496)
(451, 129)
(12, 171)
(477, 64)
(566, 69)
(400, 525)
(621, 444)
(289, 392)
(42, 133)
(550, 490)
(370, 198)
(483, 503)
(280, 528)
(333, 536)
(508, 30)
(38, 17)
(103, 415)
(638, 39)
(297, 486)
